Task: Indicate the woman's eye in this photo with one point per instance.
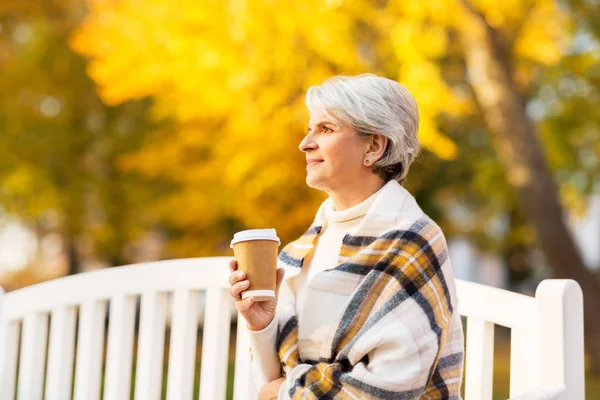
(326, 129)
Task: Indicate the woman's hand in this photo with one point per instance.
(270, 391)
(258, 314)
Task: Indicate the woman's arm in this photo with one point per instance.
(261, 323)
(266, 366)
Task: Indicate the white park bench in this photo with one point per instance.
(38, 336)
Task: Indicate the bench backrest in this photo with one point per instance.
(546, 346)
(57, 329)
(26, 313)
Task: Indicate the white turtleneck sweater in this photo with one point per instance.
(315, 313)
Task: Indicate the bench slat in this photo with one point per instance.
(119, 347)
(33, 356)
(523, 361)
(479, 359)
(60, 354)
(215, 344)
(90, 345)
(9, 348)
(151, 346)
(184, 328)
(243, 387)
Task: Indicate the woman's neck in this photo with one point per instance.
(347, 197)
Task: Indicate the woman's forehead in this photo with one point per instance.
(318, 117)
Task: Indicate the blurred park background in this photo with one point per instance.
(138, 130)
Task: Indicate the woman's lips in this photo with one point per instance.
(311, 162)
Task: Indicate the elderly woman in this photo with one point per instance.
(366, 298)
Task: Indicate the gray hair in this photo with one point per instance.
(373, 105)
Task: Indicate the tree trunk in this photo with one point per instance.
(73, 259)
(515, 141)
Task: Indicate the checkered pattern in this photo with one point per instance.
(399, 335)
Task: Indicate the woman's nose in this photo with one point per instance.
(307, 143)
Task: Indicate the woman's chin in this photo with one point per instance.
(312, 182)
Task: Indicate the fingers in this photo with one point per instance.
(238, 288)
(245, 304)
(237, 280)
(280, 274)
(233, 265)
(236, 276)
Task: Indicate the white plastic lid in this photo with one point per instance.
(255, 293)
(255, 234)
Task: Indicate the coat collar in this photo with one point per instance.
(392, 202)
(394, 208)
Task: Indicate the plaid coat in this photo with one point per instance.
(399, 335)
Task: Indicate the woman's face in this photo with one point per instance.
(334, 154)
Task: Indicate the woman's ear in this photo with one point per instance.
(377, 146)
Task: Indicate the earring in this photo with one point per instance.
(367, 163)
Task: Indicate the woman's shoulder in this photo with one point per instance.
(404, 225)
(397, 209)
(416, 230)
(423, 225)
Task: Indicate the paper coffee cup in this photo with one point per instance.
(255, 251)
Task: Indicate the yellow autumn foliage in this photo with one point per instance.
(230, 78)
